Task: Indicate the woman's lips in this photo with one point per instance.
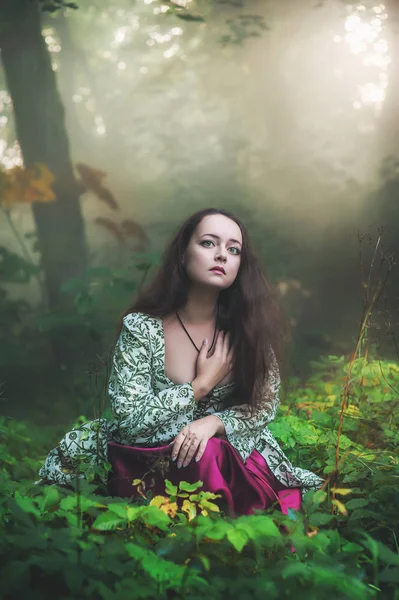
(217, 270)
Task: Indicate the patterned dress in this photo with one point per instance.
(149, 410)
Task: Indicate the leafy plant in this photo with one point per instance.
(343, 543)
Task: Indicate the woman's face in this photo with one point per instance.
(216, 242)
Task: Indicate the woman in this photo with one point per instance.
(195, 380)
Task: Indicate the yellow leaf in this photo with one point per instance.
(159, 500)
(169, 509)
(341, 491)
(26, 185)
(341, 507)
(164, 504)
(190, 509)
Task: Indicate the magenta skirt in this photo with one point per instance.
(243, 487)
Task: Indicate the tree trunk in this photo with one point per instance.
(39, 119)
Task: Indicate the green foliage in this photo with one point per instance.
(96, 298)
(80, 543)
(52, 6)
(243, 27)
(14, 268)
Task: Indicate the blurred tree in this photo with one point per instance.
(39, 120)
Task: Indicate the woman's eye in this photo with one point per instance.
(233, 249)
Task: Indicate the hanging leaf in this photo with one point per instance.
(92, 180)
(185, 16)
(112, 227)
(132, 228)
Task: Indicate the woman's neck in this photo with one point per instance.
(200, 308)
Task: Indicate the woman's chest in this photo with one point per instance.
(181, 351)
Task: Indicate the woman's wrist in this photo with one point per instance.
(201, 388)
(219, 425)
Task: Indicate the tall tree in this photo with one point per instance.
(39, 120)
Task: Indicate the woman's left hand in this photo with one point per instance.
(193, 439)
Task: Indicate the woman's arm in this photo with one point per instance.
(142, 416)
(241, 426)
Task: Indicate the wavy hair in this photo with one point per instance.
(249, 309)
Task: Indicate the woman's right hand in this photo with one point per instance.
(213, 369)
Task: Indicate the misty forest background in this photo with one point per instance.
(120, 118)
(264, 108)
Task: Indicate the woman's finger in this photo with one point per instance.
(191, 451)
(178, 442)
(201, 450)
(184, 451)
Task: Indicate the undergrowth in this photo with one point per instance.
(84, 544)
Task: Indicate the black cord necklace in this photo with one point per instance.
(192, 341)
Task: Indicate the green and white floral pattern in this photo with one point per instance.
(149, 410)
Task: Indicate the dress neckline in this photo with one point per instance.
(163, 353)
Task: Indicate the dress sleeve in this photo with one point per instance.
(140, 415)
(242, 426)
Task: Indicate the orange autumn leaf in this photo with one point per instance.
(164, 504)
(312, 532)
(26, 185)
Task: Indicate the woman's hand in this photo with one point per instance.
(193, 439)
(213, 369)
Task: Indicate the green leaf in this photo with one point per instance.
(119, 509)
(70, 503)
(50, 497)
(387, 556)
(317, 519)
(108, 521)
(360, 513)
(27, 505)
(294, 569)
(170, 489)
(263, 526)
(206, 563)
(152, 515)
(357, 503)
(190, 487)
(352, 547)
(238, 538)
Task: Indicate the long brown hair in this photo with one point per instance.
(248, 309)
